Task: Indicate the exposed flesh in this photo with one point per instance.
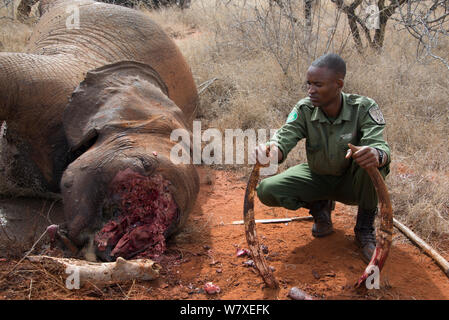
(143, 210)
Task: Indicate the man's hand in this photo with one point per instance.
(274, 154)
(365, 156)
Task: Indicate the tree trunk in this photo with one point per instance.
(385, 12)
(355, 31)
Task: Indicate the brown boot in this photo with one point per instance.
(365, 235)
(321, 212)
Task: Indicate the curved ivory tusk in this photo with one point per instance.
(250, 230)
(385, 231)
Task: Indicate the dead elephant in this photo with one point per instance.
(90, 110)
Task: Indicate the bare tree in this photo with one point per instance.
(10, 10)
(428, 22)
(356, 21)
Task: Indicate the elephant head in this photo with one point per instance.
(120, 119)
(92, 109)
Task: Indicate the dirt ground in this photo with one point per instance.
(205, 251)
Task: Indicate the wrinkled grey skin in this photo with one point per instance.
(136, 59)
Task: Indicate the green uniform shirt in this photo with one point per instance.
(360, 123)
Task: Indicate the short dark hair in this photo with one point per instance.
(331, 61)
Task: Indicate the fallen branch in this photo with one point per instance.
(281, 220)
(104, 272)
(423, 245)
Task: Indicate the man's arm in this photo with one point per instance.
(286, 138)
(365, 156)
(373, 149)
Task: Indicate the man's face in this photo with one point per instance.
(324, 86)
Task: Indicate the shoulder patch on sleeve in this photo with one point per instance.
(292, 116)
(376, 115)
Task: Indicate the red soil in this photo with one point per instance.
(206, 251)
(325, 268)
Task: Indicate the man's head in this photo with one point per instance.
(325, 79)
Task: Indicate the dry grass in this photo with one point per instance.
(14, 34)
(253, 91)
(261, 75)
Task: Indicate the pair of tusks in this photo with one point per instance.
(383, 238)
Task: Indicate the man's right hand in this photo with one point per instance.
(274, 154)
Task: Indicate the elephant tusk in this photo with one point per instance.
(250, 230)
(385, 231)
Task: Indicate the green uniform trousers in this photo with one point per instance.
(297, 186)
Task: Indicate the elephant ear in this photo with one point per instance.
(107, 95)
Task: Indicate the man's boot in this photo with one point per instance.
(321, 212)
(365, 235)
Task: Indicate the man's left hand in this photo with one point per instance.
(365, 156)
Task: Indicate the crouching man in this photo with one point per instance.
(331, 121)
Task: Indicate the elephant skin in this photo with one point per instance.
(90, 110)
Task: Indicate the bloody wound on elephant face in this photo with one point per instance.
(143, 209)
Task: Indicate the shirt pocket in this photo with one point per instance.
(313, 148)
(342, 147)
(343, 141)
(315, 158)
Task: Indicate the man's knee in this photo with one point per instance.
(364, 187)
(265, 192)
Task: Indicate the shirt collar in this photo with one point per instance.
(345, 113)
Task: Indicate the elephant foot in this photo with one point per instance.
(139, 212)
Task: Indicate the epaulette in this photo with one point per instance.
(358, 100)
(304, 103)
